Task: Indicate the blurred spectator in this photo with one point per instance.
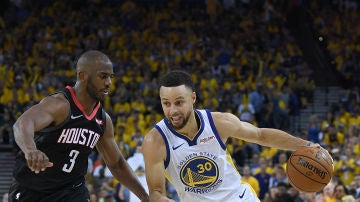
(137, 164)
(101, 176)
(272, 195)
(6, 133)
(278, 176)
(333, 137)
(268, 152)
(283, 195)
(121, 193)
(294, 195)
(328, 192)
(263, 177)
(342, 194)
(345, 167)
(314, 129)
(248, 178)
(246, 111)
(5, 197)
(172, 192)
(257, 100)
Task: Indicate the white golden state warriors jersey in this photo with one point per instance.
(201, 169)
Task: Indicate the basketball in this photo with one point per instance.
(309, 169)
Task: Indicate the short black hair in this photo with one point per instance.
(177, 78)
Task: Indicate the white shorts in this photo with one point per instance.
(246, 193)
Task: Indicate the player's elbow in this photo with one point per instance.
(18, 127)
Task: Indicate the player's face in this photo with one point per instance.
(177, 103)
(99, 83)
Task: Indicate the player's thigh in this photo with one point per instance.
(79, 194)
(18, 193)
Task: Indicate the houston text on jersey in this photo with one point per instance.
(80, 136)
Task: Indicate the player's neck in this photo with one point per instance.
(192, 127)
(84, 98)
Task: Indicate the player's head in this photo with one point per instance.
(177, 78)
(177, 98)
(94, 72)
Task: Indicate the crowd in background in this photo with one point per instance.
(338, 24)
(240, 53)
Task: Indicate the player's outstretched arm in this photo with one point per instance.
(50, 111)
(154, 154)
(230, 125)
(117, 164)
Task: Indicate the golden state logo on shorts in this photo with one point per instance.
(200, 172)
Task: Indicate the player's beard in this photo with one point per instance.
(93, 92)
(185, 121)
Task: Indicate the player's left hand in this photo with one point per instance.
(37, 161)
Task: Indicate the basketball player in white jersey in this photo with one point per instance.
(188, 147)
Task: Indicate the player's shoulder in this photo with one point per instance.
(225, 121)
(153, 137)
(154, 146)
(107, 115)
(55, 100)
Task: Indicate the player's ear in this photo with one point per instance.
(82, 76)
(193, 96)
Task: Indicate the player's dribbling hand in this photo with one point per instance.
(316, 145)
(37, 161)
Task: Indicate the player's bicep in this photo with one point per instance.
(50, 111)
(39, 123)
(154, 154)
(228, 125)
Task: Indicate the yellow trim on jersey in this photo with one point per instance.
(229, 159)
(252, 190)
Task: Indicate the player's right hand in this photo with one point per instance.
(37, 161)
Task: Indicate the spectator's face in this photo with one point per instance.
(177, 103)
(282, 190)
(339, 192)
(329, 189)
(274, 192)
(357, 180)
(263, 165)
(279, 172)
(282, 158)
(246, 171)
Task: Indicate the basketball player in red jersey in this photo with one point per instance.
(57, 135)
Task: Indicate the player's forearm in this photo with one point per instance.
(280, 139)
(123, 173)
(24, 135)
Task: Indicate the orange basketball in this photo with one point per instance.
(309, 169)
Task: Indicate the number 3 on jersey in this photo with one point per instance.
(73, 155)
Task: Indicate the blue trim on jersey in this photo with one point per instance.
(167, 160)
(190, 142)
(211, 121)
